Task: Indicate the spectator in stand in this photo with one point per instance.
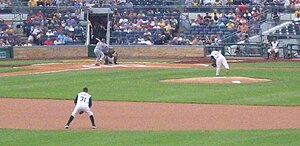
(230, 25)
(241, 8)
(27, 43)
(159, 40)
(161, 22)
(19, 29)
(215, 16)
(10, 31)
(176, 40)
(220, 24)
(188, 2)
(231, 15)
(242, 30)
(39, 39)
(297, 19)
(32, 3)
(147, 32)
(207, 18)
(207, 2)
(186, 23)
(194, 40)
(36, 29)
(2, 42)
(196, 2)
(195, 23)
(223, 17)
(276, 18)
(40, 3)
(62, 37)
(57, 41)
(168, 27)
(68, 39)
(217, 2)
(70, 29)
(3, 5)
(49, 33)
(146, 41)
(58, 2)
(199, 20)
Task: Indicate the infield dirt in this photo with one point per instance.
(53, 114)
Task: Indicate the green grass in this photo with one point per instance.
(288, 137)
(148, 60)
(11, 69)
(144, 85)
(12, 63)
(268, 64)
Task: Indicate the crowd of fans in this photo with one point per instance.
(4, 4)
(131, 25)
(57, 27)
(152, 26)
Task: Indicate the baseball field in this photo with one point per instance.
(151, 102)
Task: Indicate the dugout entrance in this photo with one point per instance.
(99, 24)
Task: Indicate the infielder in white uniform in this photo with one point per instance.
(220, 60)
(83, 104)
(273, 49)
(100, 49)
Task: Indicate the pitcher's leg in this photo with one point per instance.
(218, 68)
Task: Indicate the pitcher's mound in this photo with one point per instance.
(217, 80)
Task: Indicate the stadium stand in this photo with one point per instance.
(143, 22)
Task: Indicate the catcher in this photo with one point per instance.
(111, 56)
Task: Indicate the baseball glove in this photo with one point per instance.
(81, 112)
(214, 65)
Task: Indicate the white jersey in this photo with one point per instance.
(102, 47)
(83, 98)
(82, 104)
(220, 60)
(216, 54)
(274, 44)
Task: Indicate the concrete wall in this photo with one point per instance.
(159, 51)
(49, 52)
(65, 52)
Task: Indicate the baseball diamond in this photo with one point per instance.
(147, 116)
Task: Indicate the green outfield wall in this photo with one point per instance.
(6, 52)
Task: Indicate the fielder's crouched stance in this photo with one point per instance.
(83, 104)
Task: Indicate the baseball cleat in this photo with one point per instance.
(66, 126)
(94, 127)
(97, 64)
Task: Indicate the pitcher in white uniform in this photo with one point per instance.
(83, 104)
(274, 49)
(220, 60)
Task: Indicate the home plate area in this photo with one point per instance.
(116, 66)
(143, 65)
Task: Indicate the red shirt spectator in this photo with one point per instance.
(242, 8)
(48, 42)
